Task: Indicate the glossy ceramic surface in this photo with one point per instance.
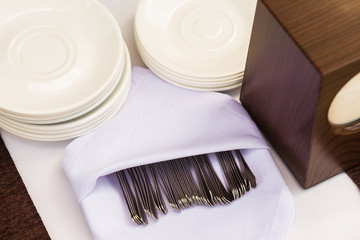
(202, 38)
(78, 126)
(343, 110)
(59, 56)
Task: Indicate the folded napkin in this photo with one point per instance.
(161, 122)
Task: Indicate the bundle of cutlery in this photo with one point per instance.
(185, 182)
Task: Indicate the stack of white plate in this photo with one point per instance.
(65, 68)
(199, 45)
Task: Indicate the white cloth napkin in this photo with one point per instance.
(161, 122)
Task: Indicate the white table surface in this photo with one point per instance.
(329, 210)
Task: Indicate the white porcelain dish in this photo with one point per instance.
(200, 38)
(189, 79)
(81, 125)
(196, 83)
(59, 56)
(192, 86)
(86, 108)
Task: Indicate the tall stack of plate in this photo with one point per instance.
(199, 45)
(65, 68)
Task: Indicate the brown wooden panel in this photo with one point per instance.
(332, 153)
(295, 67)
(280, 91)
(328, 31)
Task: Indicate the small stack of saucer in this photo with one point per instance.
(200, 45)
(65, 69)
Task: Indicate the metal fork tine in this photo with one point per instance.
(180, 184)
(158, 198)
(240, 182)
(185, 166)
(203, 185)
(178, 193)
(249, 174)
(185, 182)
(148, 191)
(221, 192)
(128, 195)
(164, 183)
(139, 204)
(228, 175)
(134, 203)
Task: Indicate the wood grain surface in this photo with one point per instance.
(296, 64)
(328, 31)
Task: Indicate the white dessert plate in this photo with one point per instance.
(191, 86)
(81, 125)
(66, 117)
(58, 56)
(190, 79)
(194, 82)
(200, 38)
(176, 82)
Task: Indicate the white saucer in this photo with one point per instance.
(60, 58)
(86, 108)
(181, 77)
(187, 81)
(78, 126)
(191, 86)
(200, 38)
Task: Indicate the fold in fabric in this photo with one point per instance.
(160, 122)
(264, 213)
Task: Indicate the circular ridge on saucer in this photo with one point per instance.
(199, 45)
(59, 58)
(81, 125)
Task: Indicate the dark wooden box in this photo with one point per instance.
(301, 53)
